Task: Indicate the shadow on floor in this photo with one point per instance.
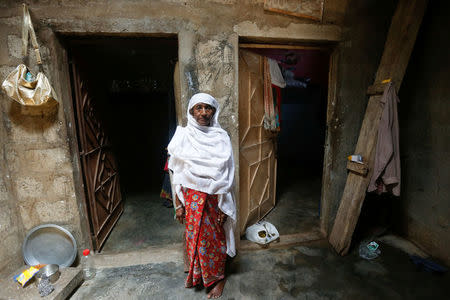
(297, 207)
(145, 222)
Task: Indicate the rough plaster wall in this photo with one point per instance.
(10, 223)
(37, 165)
(40, 151)
(425, 136)
(10, 231)
(364, 35)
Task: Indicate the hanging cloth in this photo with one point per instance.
(277, 102)
(275, 74)
(278, 83)
(270, 113)
(386, 171)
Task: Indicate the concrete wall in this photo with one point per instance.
(40, 152)
(425, 137)
(11, 229)
(364, 33)
(40, 170)
(37, 175)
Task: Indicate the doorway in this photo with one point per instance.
(124, 105)
(293, 203)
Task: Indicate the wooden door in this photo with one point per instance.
(257, 157)
(99, 167)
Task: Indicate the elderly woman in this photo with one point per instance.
(201, 159)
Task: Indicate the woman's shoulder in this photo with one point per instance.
(180, 130)
(177, 137)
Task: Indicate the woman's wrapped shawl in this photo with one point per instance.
(201, 158)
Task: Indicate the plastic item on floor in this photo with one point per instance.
(427, 264)
(369, 250)
(88, 266)
(262, 233)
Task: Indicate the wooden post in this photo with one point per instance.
(397, 51)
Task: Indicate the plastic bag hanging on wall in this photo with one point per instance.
(21, 85)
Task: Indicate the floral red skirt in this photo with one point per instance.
(205, 239)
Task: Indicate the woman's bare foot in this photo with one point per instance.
(217, 290)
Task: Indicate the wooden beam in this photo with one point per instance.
(397, 51)
(295, 32)
(308, 9)
(400, 40)
(358, 168)
(376, 89)
(289, 13)
(287, 47)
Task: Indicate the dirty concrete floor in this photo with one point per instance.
(145, 222)
(297, 207)
(308, 271)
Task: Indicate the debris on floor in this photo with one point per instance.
(262, 233)
(68, 281)
(369, 250)
(26, 275)
(45, 288)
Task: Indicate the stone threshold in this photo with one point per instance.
(153, 254)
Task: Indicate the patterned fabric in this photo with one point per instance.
(205, 239)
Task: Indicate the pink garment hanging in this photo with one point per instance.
(386, 171)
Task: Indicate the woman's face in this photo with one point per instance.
(202, 113)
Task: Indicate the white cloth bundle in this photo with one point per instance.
(275, 74)
(201, 158)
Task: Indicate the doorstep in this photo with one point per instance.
(69, 280)
(149, 255)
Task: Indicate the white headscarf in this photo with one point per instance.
(201, 158)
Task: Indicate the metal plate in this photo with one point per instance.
(49, 244)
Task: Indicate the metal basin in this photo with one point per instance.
(49, 271)
(49, 244)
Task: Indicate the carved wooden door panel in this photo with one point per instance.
(100, 170)
(257, 157)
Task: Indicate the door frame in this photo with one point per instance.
(85, 222)
(331, 111)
